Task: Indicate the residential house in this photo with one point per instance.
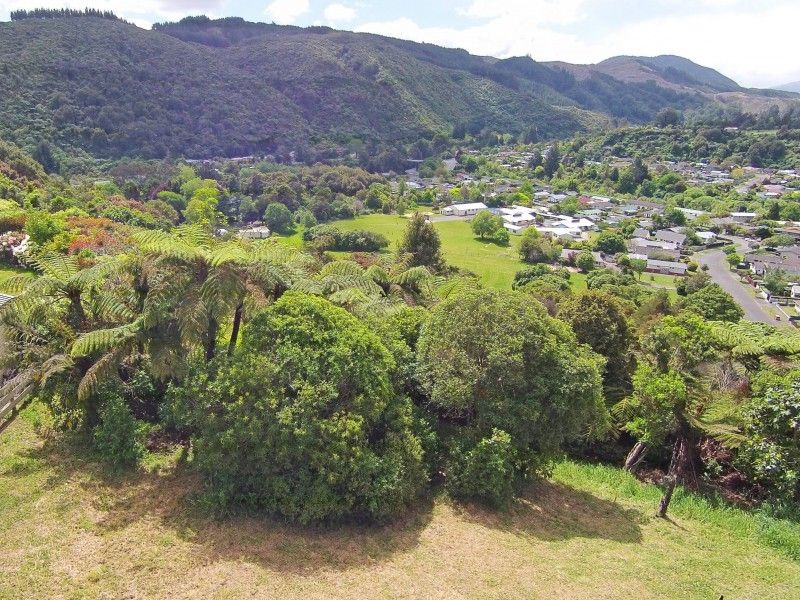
(760, 264)
(707, 237)
(647, 208)
(666, 267)
(655, 252)
(743, 217)
(691, 213)
(260, 232)
(518, 218)
(665, 235)
(464, 210)
(653, 248)
(645, 243)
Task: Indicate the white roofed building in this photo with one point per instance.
(464, 210)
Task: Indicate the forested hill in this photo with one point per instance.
(224, 88)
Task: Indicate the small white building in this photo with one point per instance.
(707, 237)
(691, 213)
(743, 217)
(464, 210)
(261, 232)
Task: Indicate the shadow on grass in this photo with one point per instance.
(124, 500)
(547, 511)
(551, 511)
(492, 242)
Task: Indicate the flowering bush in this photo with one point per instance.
(12, 245)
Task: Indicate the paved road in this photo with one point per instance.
(720, 272)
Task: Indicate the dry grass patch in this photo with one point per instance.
(69, 530)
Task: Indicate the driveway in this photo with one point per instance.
(721, 274)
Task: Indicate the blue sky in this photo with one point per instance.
(754, 41)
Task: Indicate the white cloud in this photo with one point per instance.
(752, 43)
(285, 12)
(526, 11)
(339, 13)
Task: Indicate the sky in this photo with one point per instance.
(754, 42)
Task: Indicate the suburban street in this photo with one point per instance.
(721, 274)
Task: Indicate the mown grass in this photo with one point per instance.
(69, 529)
(7, 272)
(494, 265)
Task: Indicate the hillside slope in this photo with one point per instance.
(790, 87)
(679, 70)
(203, 88)
(113, 89)
(71, 530)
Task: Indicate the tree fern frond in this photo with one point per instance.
(378, 274)
(103, 339)
(111, 309)
(17, 283)
(104, 368)
(412, 277)
(57, 266)
(345, 268)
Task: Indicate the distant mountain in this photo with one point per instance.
(789, 87)
(671, 72)
(227, 87)
(683, 70)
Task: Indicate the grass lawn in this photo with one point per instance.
(6, 272)
(69, 530)
(495, 265)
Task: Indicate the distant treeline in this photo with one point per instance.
(60, 13)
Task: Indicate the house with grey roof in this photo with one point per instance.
(672, 237)
(666, 267)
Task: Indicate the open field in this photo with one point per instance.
(494, 265)
(69, 530)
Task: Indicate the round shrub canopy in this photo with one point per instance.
(496, 361)
(304, 421)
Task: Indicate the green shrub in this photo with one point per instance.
(304, 422)
(487, 471)
(117, 437)
(496, 360)
(347, 241)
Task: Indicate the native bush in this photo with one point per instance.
(304, 421)
(117, 437)
(496, 360)
(485, 471)
(350, 241)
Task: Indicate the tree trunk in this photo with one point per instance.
(77, 314)
(237, 323)
(678, 466)
(635, 456)
(669, 481)
(211, 339)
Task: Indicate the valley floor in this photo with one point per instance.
(69, 530)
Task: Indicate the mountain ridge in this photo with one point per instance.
(793, 86)
(228, 87)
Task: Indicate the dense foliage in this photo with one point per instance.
(498, 366)
(204, 88)
(332, 238)
(303, 421)
(321, 386)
